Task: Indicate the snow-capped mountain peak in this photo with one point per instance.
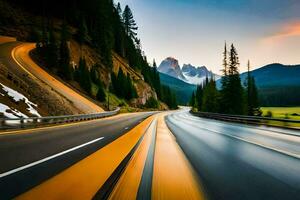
(188, 73)
(170, 66)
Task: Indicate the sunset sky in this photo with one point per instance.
(194, 31)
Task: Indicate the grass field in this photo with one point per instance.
(283, 112)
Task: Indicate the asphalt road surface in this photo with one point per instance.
(20, 151)
(235, 161)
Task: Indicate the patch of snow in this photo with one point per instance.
(18, 97)
(195, 80)
(13, 112)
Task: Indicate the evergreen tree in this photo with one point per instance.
(84, 76)
(169, 97)
(95, 77)
(154, 63)
(129, 23)
(122, 87)
(66, 70)
(199, 97)
(252, 97)
(232, 93)
(119, 31)
(101, 96)
(52, 49)
(192, 100)
(82, 32)
(210, 97)
(129, 89)
(225, 61)
(119, 10)
(102, 29)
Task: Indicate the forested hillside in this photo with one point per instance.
(101, 25)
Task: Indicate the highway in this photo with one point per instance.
(167, 155)
(235, 161)
(20, 148)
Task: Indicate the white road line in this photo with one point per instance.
(48, 158)
(250, 142)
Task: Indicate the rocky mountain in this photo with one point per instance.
(188, 73)
(170, 66)
(196, 75)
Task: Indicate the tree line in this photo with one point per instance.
(234, 97)
(101, 24)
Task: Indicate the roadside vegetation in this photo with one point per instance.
(234, 97)
(282, 112)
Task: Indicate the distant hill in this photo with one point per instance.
(183, 90)
(276, 75)
(278, 85)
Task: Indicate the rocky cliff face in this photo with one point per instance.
(170, 66)
(188, 73)
(190, 70)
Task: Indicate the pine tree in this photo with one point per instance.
(232, 92)
(130, 89)
(129, 23)
(199, 97)
(122, 87)
(192, 100)
(233, 61)
(64, 57)
(210, 97)
(82, 32)
(154, 63)
(101, 96)
(84, 76)
(119, 31)
(252, 97)
(119, 10)
(52, 49)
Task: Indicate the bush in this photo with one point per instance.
(101, 96)
(152, 103)
(269, 114)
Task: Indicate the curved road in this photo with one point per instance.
(134, 156)
(236, 161)
(16, 56)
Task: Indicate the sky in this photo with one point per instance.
(195, 31)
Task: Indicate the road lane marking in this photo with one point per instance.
(173, 175)
(245, 140)
(48, 158)
(83, 179)
(145, 187)
(128, 185)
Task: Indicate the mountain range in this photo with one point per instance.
(188, 73)
(278, 84)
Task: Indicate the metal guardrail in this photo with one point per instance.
(251, 119)
(33, 122)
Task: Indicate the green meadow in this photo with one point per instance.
(283, 112)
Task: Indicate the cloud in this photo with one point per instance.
(290, 29)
